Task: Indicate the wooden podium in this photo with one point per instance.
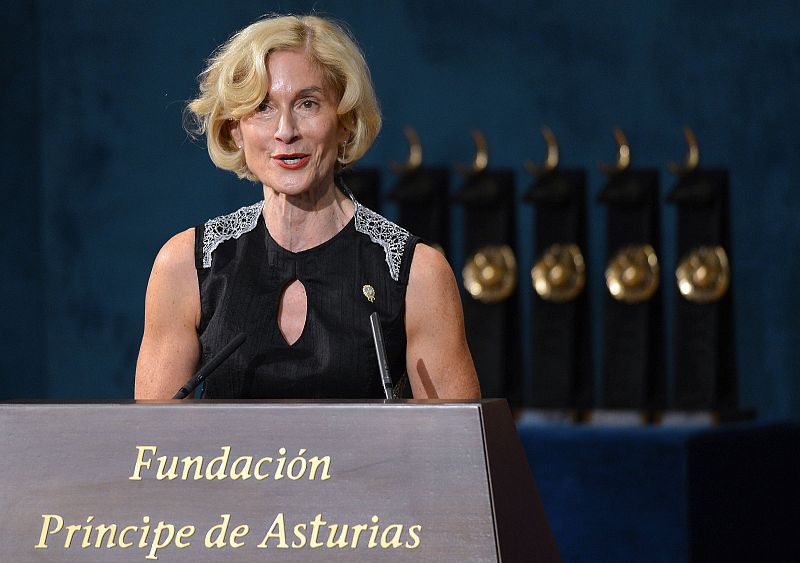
(289, 481)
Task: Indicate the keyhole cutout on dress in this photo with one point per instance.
(292, 311)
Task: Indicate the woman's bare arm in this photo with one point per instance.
(437, 357)
(170, 348)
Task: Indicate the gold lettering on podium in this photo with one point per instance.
(316, 533)
(221, 467)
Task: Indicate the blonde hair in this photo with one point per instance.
(236, 81)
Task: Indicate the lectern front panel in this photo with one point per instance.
(240, 482)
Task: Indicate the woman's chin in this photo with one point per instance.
(295, 186)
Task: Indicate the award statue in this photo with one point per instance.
(560, 328)
(490, 274)
(705, 374)
(633, 374)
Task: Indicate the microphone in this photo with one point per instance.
(380, 351)
(206, 370)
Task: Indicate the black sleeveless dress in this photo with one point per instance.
(242, 271)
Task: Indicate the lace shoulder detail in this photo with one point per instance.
(226, 227)
(381, 231)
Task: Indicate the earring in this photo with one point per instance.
(344, 152)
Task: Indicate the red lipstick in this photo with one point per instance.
(292, 161)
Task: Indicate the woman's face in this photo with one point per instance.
(291, 141)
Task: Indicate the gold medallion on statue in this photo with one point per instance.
(560, 274)
(704, 274)
(632, 274)
(490, 274)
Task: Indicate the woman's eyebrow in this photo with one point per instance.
(300, 93)
(309, 90)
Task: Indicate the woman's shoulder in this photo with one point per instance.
(172, 291)
(177, 256)
(430, 269)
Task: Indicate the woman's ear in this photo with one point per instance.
(236, 133)
(344, 134)
(346, 128)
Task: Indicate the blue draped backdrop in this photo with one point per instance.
(98, 172)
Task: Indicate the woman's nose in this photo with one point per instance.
(287, 128)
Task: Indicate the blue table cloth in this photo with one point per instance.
(727, 493)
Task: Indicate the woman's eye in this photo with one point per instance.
(263, 106)
(308, 104)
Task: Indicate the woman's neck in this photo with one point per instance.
(300, 222)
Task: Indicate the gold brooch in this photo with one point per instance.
(369, 293)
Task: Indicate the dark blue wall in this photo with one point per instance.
(98, 172)
(23, 348)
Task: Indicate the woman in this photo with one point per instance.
(286, 102)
